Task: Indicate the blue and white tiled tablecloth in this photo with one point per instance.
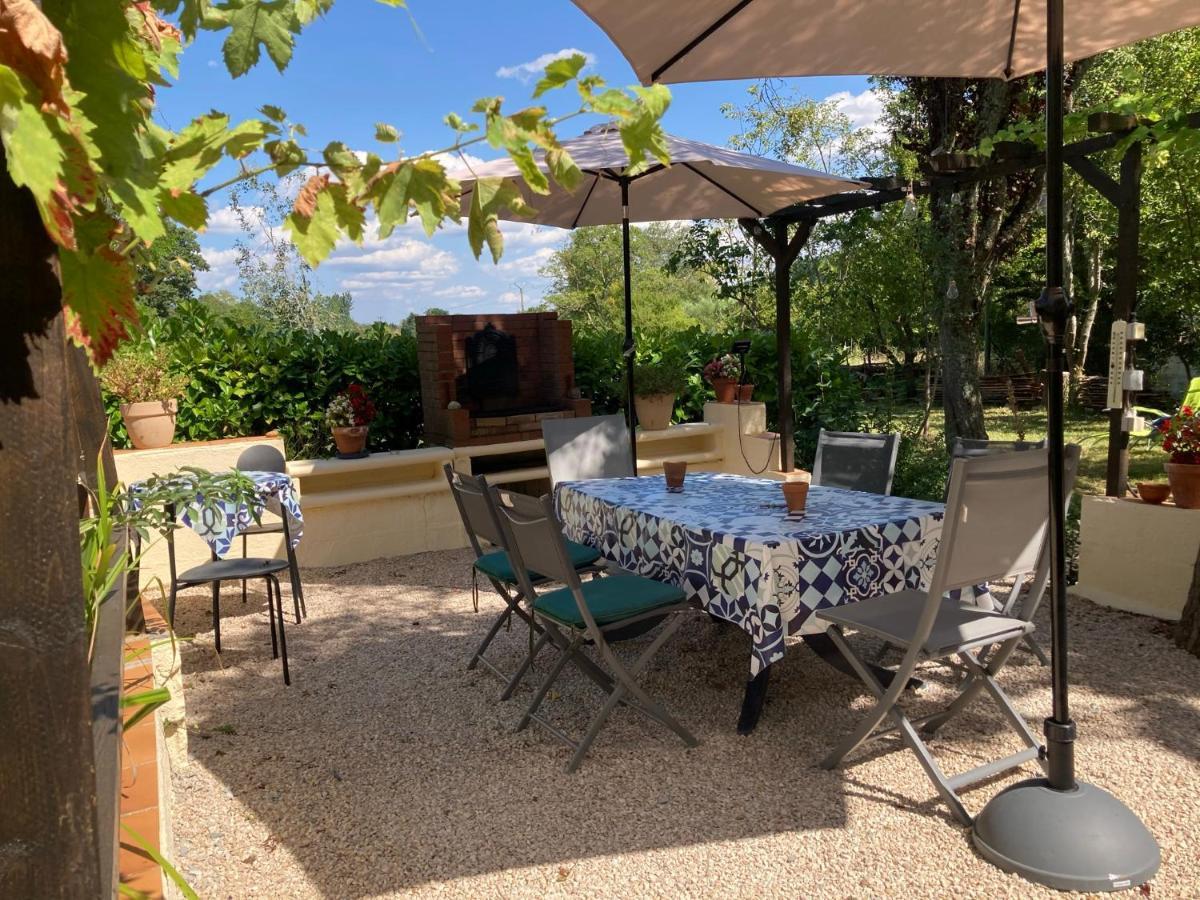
(220, 524)
(729, 542)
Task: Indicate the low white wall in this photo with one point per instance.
(1137, 557)
(393, 504)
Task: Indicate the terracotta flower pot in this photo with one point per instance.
(745, 392)
(654, 411)
(726, 389)
(674, 473)
(350, 441)
(1185, 484)
(1153, 491)
(795, 493)
(150, 424)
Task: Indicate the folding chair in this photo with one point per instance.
(601, 612)
(265, 458)
(995, 527)
(591, 447)
(857, 462)
(479, 518)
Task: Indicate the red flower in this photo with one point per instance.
(1187, 411)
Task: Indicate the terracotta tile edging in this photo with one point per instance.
(144, 780)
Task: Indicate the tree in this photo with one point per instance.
(409, 325)
(587, 279)
(975, 228)
(167, 271)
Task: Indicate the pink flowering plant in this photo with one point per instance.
(1180, 436)
(719, 367)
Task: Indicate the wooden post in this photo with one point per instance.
(1129, 216)
(783, 347)
(48, 843)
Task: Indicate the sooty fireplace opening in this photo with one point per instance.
(492, 369)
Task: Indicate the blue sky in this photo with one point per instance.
(365, 63)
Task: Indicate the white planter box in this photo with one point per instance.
(1137, 557)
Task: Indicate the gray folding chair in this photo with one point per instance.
(968, 448)
(995, 527)
(600, 612)
(479, 518)
(591, 447)
(265, 458)
(857, 462)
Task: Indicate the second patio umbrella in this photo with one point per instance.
(702, 182)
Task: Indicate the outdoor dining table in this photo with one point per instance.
(729, 542)
(220, 522)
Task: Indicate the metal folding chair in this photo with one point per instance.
(476, 507)
(995, 527)
(857, 462)
(265, 458)
(591, 447)
(601, 612)
(217, 570)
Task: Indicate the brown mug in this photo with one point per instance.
(674, 472)
(795, 493)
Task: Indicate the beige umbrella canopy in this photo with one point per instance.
(702, 182)
(713, 40)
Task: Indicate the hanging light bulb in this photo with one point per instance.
(952, 290)
(910, 204)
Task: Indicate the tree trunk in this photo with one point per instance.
(48, 844)
(1093, 287)
(1187, 634)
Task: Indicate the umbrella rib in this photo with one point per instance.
(750, 206)
(699, 39)
(1012, 39)
(583, 206)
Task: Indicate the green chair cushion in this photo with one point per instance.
(496, 564)
(611, 599)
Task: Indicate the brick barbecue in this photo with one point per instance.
(507, 373)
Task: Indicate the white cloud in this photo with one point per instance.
(527, 71)
(405, 258)
(527, 265)
(225, 220)
(864, 110)
(222, 274)
(461, 291)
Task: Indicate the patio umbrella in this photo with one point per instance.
(702, 182)
(1056, 830)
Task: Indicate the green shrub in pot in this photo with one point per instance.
(139, 376)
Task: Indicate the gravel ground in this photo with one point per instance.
(387, 769)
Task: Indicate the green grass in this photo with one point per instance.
(1088, 429)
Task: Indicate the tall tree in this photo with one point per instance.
(166, 272)
(974, 229)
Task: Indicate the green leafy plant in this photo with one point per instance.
(649, 379)
(140, 373)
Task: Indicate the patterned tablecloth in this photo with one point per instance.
(729, 542)
(220, 524)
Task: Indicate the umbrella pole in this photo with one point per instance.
(783, 345)
(627, 349)
(1058, 831)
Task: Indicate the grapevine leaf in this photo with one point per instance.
(98, 293)
(255, 24)
(187, 208)
(306, 200)
(560, 72)
(274, 113)
(386, 134)
(30, 44)
(563, 168)
(314, 235)
(490, 197)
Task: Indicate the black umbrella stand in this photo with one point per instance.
(1056, 830)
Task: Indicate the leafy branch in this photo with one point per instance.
(78, 85)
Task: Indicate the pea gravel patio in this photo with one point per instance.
(388, 770)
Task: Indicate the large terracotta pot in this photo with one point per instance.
(654, 411)
(350, 441)
(726, 389)
(1185, 484)
(745, 393)
(150, 424)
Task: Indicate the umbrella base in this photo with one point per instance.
(1080, 840)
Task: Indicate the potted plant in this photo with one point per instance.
(722, 373)
(655, 389)
(138, 375)
(349, 416)
(1180, 436)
